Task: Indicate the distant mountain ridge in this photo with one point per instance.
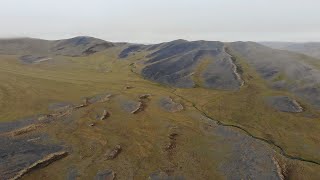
(77, 46)
(310, 48)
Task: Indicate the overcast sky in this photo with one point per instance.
(149, 21)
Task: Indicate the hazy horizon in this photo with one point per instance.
(143, 21)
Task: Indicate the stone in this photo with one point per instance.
(104, 115)
(101, 98)
(170, 146)
(114, 152)
(138, 108)
(172, 136)
(41, 163)
(129, 87)
(144, 96)
(132, 106)
(84, 104)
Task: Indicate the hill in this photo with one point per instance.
(217, 65)
(77, 46)
(175, 110)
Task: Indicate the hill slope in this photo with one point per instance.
(78, 46)
(215, 65)
(189, 64)
(282, 69)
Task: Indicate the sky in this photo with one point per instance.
(152, 21)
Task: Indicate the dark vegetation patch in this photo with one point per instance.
(130, 50)
(97, 48)
(32, 59)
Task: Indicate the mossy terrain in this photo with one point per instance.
(28, 89)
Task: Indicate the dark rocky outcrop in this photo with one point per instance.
(101, 98)
(138, 108)
(169, 105)
(131, 106)
(26, 129)
(20, 155)
(84, 104)
(284, 104)
(41, 163)
(144, 96)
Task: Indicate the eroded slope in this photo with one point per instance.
(175, 63)
(282, 69)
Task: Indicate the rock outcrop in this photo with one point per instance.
(284, 104)
(169, 105)
(138, 108)
(26, 129)
(41, 163)
(104, 115)
(144, 96)
(114, 152)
